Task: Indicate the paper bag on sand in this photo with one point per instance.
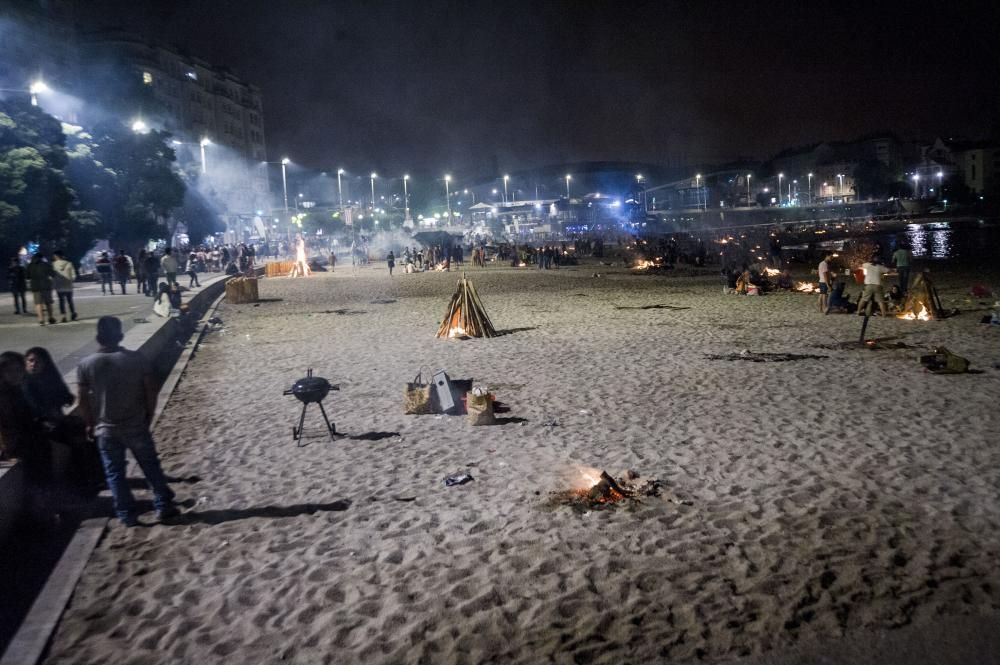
(480, 409)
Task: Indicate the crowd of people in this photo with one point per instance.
(117, 399)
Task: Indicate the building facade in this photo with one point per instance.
(198, 102)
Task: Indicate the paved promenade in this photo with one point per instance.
(70, 342)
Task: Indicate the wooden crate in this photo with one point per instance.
(278, 268)
(241, 290)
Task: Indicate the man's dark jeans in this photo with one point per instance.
(141, 444)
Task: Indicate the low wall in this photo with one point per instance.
(161, 341)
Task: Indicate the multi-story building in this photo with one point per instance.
(977, 162)
(201, 103)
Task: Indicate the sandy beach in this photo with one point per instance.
(805, 500)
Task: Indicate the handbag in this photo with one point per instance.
(418, 398)
(480, 409)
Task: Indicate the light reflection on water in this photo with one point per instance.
(941, 240)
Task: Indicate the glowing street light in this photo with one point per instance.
(697, 188)
(568, 178)
(916, 185)
(139, 126)
(37, 88)
(340, 190)
(638, 180)
(940, 175)
(749, 175)
(472, 194)
(780, 176)
(284, 180)
(840, 180)
(447, 194)
(505, 179)
(373, 176)
(204, 142)
(810, 188)
(406, 199)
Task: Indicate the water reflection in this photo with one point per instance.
(941, 244)
(917, 238)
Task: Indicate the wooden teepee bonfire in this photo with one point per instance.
(922, 301)
(466, 316)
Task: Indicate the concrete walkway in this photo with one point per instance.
(70, 342)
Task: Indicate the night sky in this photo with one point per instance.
(464, 86)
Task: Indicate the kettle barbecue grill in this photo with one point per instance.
(311, 390)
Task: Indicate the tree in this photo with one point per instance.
(37, 203)
(130, 179)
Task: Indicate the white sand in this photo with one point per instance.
(829, 496)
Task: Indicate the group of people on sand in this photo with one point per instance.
(832, 284)
(116, 402)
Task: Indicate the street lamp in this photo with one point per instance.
(139, 126)
(406, 199)
(447, 194)
(37, 88)
(810, 188)
(568, 178)
(916, 185)
(840, 186)
(638, 180)
(374, 175)
(472, 194)
(749, 175)
(697, 188)
(780, 176)
(796, 183)
(204, 142)
(284, 181)
(505, 179)
(940, 175)
(340, 191)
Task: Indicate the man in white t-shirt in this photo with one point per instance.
(824, 281)
(874, 271)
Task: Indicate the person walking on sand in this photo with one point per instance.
(824, 282)
(874, 271)
(40, 277)
(391, 262)
(117, 401)
(17, 281)
(63, 278)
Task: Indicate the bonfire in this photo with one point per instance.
(806, 287)
(595, 489)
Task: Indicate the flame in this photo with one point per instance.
(922, 315)
(441, 267)
(645, 264)
(772, 272)
(806, 287)
(457, 331)
(590, 476)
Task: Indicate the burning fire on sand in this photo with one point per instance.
(806, 287)
(923, 315)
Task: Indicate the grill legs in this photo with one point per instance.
(297, 431)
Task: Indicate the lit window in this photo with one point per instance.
(192, 75)
(147, 78)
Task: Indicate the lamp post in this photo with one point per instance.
(916, 185)
(780, 176)
(340, 190)
(472, 194)
(749, 175)
(568, 178)
(406, 199)
(638, 180)
(447, 194)
(810, 188)
(840, 185)
(697, 188)
(374, 175)
(796, 182)
(37, 88)
(204, 142)
(284, 181)
(940, 176)
(505, 179)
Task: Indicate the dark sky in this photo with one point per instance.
(395, 86)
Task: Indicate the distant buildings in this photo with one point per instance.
(199, 101)
(977, 163)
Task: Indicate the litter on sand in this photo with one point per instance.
(458, 479)
(757, 357)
